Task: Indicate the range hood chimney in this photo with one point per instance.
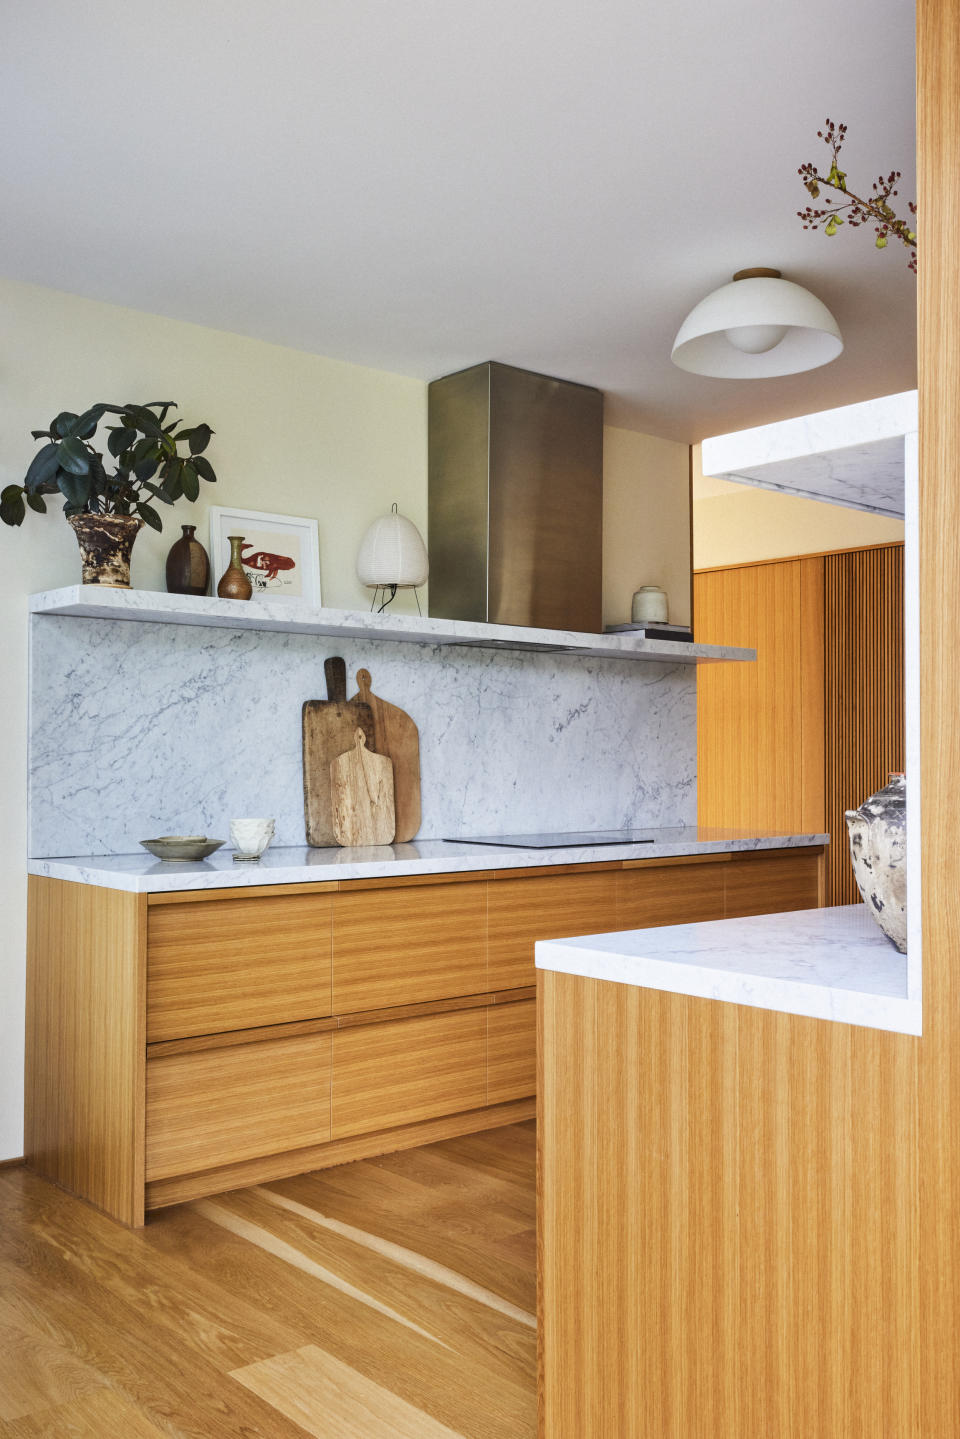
(515, 499)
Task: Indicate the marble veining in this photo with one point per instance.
(299, 864)
(140, 729)
(861, 477)
(827, 963)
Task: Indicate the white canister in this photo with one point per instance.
(649, 606)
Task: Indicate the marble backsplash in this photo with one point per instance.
(141, 729)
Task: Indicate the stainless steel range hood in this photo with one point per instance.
(515, 499)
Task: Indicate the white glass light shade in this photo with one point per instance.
(733, 332)
(392, 552)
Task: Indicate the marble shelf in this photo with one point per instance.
(825, 963)
(290, 617)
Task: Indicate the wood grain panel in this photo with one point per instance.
(412, 1069)
(219, 1106)
(938, 155)
(728, 1205)
(511, 1051)
(408, 945)
(648, 898)
(233, 963)
(521, 911)
(758, 726)
(863, 692)
(164, 1192)
(86, 965)
(772, 884)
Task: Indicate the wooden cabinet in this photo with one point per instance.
(408, 945)
(211, 1107)
(543, 906)
(221, 964)
(183, 1044)
(408, 1069)
(511, 1051)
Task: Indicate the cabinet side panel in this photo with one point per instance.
(728, 1207)
(85, 1042)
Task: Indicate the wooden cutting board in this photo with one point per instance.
(329, 729)
(361, 784)
(396, 735)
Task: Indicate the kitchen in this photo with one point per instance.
(123, 329)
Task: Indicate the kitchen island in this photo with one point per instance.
(193, 1028)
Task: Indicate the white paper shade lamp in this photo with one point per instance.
(392, 557)
(758, 326)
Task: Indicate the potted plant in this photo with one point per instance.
(105, 510)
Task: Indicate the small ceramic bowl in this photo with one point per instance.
(250, 837)
(181, 848)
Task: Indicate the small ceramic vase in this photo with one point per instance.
(234, 584)
(105, 543)
(188, 566)
(250, 837)
(649, 604)
(878, 842)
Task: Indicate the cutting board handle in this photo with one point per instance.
(363, 685)
(335, 670)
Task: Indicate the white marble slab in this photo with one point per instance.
(852, 456)
(139, 730)
(291, 617)
(140, 873)
(826, 963)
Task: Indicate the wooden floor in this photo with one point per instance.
(388, 1299)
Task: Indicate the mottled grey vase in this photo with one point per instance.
(878, 848)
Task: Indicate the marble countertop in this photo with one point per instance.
(141, 873)
(826, 963)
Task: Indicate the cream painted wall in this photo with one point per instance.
(733, 524)
(646, 522)
(296, 434)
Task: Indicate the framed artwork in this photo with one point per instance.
(281, 553)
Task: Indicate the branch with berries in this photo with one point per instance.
(876, 209)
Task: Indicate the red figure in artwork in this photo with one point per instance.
(271, 565)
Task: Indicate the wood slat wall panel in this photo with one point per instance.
(863, 692)
(759, 730)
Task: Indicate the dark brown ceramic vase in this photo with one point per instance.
(188, 565)
(105, 545)
(234, 584)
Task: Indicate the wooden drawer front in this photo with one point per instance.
(511, 1051)
(237, 963)
(405, 946)
(521, 911)
(406, 1070)
(772, 884)
(216, 1106)
(674, 894)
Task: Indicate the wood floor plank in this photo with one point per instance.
(136, 1333)
(332, 1401)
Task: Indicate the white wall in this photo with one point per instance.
(735, 524)
(296, 434)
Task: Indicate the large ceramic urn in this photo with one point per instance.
(878, 848)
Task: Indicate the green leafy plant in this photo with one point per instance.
(147, 453)
(876, 207)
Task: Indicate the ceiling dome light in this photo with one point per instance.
(757, 326)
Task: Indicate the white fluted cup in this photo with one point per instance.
(250, 837)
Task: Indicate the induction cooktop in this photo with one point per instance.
(558, 841)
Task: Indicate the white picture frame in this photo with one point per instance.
(292, 539)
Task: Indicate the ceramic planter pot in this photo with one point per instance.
(878, 835)
(105, 545)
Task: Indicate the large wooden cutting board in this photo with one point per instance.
(361, 785)
(396, 735)
(329, 730)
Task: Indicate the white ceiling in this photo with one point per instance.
(421, 185)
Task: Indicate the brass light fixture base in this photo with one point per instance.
(760, 273)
